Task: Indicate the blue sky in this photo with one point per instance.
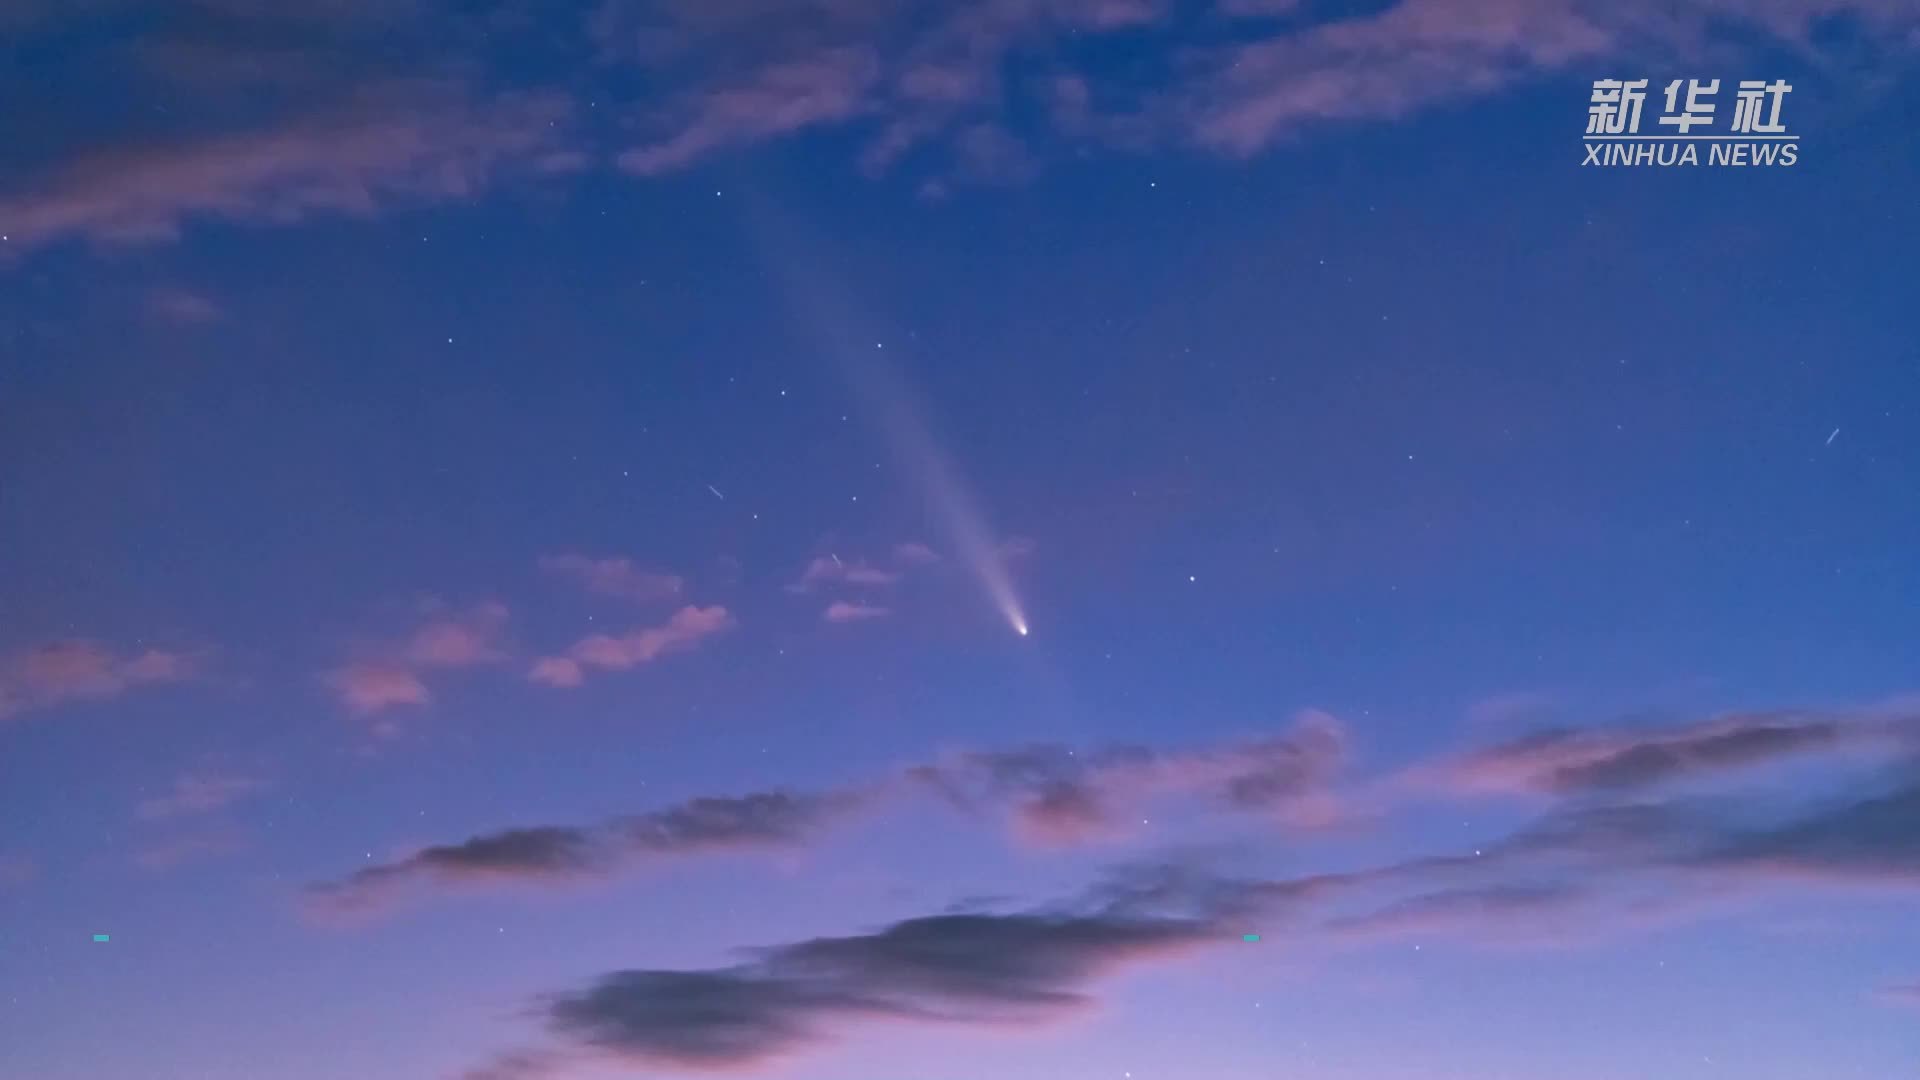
(515, 518)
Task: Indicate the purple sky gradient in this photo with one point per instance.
(875, 540)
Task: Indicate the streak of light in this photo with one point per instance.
(845, 333)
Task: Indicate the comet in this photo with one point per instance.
(950, 501)
(845, 333)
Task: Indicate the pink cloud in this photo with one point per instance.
(1906, 995)
(557, 671)
(687, 628)
(935, 83)
(914, 553)
(390, 674)
(182, 307)
(412, 142)
(780, 98)
(840, 612)
(65, 671)
(199, 793)
(372, 687)
(460, 639)
(191, 847)
(1506, 711)
(614, 577)
(830, 569)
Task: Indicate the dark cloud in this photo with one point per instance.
(1451, 910)
(1580, 871)
(1061, 794)
(1055, 793)
(561, 852)
(968, 968)
(1600, 760)
(1874, 839)
(764, 818)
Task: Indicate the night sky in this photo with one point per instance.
(893, 540)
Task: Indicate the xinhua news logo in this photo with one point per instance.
(1687, 132)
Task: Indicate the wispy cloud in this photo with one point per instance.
(1568, 761)
(79, 670)
(642, 645)
(372, 687)
(192, 846)
(549, 853)
(934, 86)
(461, 638)
(407, 143)
(831, 569)
(787, 95)
(1050, 793)
(986, 92)
(182, 307)
(1588, 867)
(1906, 995)
(840, 611)
(914, 553)
(392, 674)
(201, 792)
(613, 576)
(1865, 838)
(1058, 794)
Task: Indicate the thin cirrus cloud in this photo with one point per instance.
(917, 79)
(559, 853)
(1275, 777)
(918, 86)
(1051, 794)
(1597, 862)
(613, 576)
(194, 846)
(197, 793)
(1574, 875)
(372, 686)
(183, 307)
(1568, 761)
(1057, 794)
(410, 144)
(393, 674)
(61, 672)
(186, 824)
(1905, 995)
(827, 573)
(841, 611)
(830, 569)
(686, 629)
